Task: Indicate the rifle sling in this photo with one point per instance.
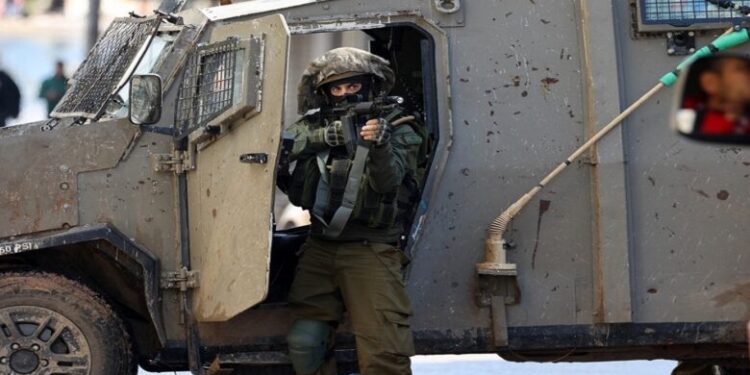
(342, 214)
(344, 211)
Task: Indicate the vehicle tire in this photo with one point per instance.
(50, 324)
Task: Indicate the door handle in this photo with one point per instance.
(256, 158)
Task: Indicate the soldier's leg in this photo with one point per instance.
(316, 309)
(375, 296)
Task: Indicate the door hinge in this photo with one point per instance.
(178, 161)
(183, 279)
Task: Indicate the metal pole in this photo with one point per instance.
(92, 28)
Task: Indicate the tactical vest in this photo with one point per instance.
(319, 184)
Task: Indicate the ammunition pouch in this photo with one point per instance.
(320, 183)
(337, 178)
(373, 209)
(304, 183)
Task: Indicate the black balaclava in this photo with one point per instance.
(363, 95)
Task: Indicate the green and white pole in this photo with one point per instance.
(726, 41)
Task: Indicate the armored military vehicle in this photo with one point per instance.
(155, 244)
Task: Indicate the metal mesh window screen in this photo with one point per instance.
(104, 67)
(686, 12)
(208, 85)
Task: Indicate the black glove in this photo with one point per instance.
(334, 135)
(383, 133)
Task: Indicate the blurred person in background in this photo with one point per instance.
(53, 88)
(12, 8)
(10, 98)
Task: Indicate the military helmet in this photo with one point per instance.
(338, 64)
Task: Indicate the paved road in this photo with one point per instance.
(484, 364)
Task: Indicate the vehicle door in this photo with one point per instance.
(229, 110)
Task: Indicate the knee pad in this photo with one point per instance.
(308, 342)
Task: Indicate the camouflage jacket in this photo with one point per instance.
(387, 188)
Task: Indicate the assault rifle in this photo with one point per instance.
(353, 116)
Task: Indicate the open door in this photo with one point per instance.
(230, 109)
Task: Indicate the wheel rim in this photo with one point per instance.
(38, 340)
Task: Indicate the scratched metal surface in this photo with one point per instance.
(647, 229)
(528, 80)
(517, 112)
(134, 199)
(524, 92)
(517, 103)
(688, 201)
(230, 202)
(43, 165)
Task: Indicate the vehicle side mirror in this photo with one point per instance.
(145, 99)
(713, 100)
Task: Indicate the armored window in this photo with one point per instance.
(663, 15)
(101, 74)
(158, 50)
(208, 86)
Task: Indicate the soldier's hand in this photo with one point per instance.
(377, 131)
(334, 135)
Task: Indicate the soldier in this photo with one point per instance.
(351, 261)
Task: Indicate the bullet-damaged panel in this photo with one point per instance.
(688, 201)
(48, 171)
(135, 199)
(230, 201)
(517, 111)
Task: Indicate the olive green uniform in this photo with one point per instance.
(359, 271)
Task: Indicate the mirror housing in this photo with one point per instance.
(145, 99)
(712, 103)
